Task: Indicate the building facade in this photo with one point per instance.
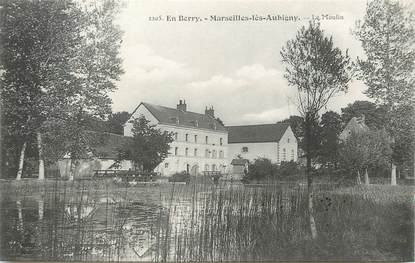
(200, 141)
(276, 142)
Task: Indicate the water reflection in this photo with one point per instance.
(73, 224)
(141, 223)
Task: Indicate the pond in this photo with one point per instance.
(103, 221)
(80, 221)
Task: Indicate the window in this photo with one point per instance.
(213, 167)
(195, 138)
(220, 141)
(166, 165)
(187, 151)
(207, 167)
(176, 135)
(288, 140)
(220, 154)
(187, 137)
(207, 153)
(195, 152)
(292, 154)
(206, 139)
(176, 150)
(284, 154)
(245, 149)
(214, 154)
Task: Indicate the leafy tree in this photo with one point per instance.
(38, 40)
(331, 127)
(150, 146)
(116, 122)
(297, 126)
(367, 150)
(374, 115)
(318, 70)
(59, 62)
(387, 34)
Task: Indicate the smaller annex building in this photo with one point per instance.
(276, 142)
(355, 125)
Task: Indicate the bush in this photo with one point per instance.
(290, 168)
(180, 177)
(263, 169)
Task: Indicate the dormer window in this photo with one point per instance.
(245, 149)
(288, 140)
(195, 123)
(175, 119)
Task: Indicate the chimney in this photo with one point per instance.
(182, 105)
(210, 112)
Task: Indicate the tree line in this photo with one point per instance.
(319, 70)
(59, 61)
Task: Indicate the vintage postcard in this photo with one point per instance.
(207, 130)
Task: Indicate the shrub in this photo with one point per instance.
(180, 177)
(289, 169)
(262, 168)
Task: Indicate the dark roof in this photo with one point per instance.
(106, 145)
(166, 115)
(257, 133)
(239, 161)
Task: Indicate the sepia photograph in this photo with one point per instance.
(195, 130)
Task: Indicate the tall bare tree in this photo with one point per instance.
(318, 70)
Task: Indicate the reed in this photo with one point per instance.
(99, 220)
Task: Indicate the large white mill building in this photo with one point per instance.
(200, 141)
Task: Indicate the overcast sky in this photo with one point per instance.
(234, 66)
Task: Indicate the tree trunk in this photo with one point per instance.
(366, 178)
(72, 167)
(309, 176)
(41, 206)
(393, 175)
(359, 180)
(21, 162)
(20, 213)
(41, 161)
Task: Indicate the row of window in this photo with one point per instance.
(195, 138)
(208, 153)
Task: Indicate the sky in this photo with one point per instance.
(233, 66)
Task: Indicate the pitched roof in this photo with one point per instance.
(166, 115)
(355, 125)
(257, 133)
